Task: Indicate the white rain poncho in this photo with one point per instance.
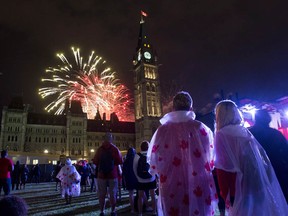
(70, 181)
(181, 153)
(257, 188)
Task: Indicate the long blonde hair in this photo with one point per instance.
(227, 113)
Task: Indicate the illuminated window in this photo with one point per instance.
(54, 162)
(35, 161)
(74, 161)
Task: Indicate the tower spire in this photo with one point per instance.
(148, 109)
(142, 35)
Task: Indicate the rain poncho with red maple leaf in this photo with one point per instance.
(181, 153)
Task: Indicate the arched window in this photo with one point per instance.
(147, 87)
(153, 88)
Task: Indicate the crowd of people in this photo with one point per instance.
(192, 170)
(184, 152)
(186, 169)
(13, 176)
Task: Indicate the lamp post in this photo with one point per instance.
(1, 90)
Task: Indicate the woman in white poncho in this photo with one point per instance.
(70, 181)
(257, 191)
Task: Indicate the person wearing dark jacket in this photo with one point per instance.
(36, 173)
(24, 173)
(16, 176)
(129, 176)
(275, 145)
(56, 170)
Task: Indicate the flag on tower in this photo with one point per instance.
(144, 14)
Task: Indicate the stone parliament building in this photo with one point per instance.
(41, 138)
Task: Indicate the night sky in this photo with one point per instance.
(203, 46)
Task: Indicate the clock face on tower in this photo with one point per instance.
(147, 55)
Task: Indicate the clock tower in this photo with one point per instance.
(148, 108)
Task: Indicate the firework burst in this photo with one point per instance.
(91, 83)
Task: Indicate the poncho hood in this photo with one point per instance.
(178, 116)
(236, 130)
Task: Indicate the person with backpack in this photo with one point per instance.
(146, 181)
(107, 159)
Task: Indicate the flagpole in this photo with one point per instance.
(143, 14)
(142, 19)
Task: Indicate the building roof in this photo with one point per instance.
(104, 126)
(46, 119)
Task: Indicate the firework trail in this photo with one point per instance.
(91, 83)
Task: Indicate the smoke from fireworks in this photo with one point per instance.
(91, 83)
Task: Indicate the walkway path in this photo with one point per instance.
(43, 200)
